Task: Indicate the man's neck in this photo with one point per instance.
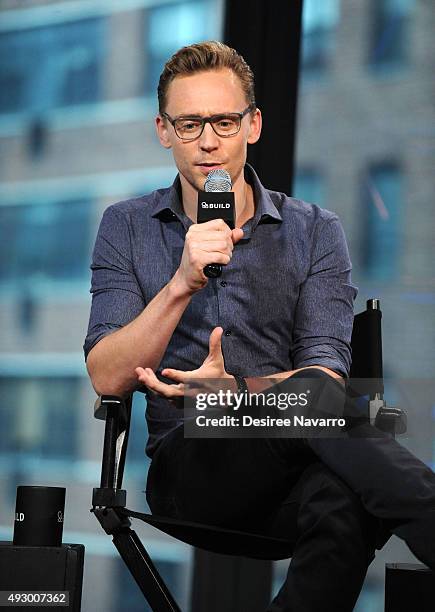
(243, 197)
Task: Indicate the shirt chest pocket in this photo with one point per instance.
(269, 282)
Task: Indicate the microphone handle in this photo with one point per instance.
(208, 203)
(213, 270)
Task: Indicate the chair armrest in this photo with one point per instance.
(116, 412)
(103, 401)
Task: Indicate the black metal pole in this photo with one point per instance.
(268, 35)
(144, 572)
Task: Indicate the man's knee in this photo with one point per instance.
(329, 506)
(326, 399)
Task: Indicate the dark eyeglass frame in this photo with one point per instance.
(209, 120)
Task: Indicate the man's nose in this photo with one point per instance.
(209, 139)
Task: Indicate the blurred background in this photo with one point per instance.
(77, 104)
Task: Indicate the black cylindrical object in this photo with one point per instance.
(39, 513)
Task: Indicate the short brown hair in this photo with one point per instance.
(209, 55)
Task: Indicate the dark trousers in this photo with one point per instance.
(334, 500)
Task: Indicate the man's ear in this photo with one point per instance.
(255, 126)
(162, 132)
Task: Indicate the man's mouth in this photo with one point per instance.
(208, 166)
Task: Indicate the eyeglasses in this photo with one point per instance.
(190, 127)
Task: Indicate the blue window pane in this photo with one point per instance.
(309, 186)
(389, 32)
(170, 27)
(45, 241)
(319, 22)
(136, 443)
(383, 212)
(52, 66)
(129, 596)
(37, 415)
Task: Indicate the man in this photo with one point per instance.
(282, 307)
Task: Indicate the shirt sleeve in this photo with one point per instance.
(324, 311)
(116, 295)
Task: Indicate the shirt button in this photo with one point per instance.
(228, 332)
(223, 283)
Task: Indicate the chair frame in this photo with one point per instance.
(109, 499)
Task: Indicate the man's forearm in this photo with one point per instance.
(258, 384)
(142, 342)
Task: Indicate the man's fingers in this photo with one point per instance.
(215, 257)
(177, 375)
(201, 234)
(224, 246)
(147, 376)
(214, 224)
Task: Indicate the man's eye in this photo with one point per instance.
(225, 123)
(189, 126)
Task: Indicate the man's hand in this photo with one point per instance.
(205, 243)
(212, 369)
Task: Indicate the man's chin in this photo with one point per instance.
(196, 182)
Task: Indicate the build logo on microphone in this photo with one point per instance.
(215, 205)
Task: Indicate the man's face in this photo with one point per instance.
(204, 94)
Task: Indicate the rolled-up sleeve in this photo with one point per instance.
(324, 311)
(116, 295)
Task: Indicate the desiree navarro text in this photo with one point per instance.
(248, 421)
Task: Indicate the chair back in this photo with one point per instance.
(366, 345)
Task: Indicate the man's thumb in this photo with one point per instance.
(214, 343)
(236, 235)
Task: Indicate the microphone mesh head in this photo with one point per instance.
(218, 180)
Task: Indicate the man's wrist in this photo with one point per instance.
(178, 288)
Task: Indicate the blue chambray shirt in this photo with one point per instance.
(284, 301)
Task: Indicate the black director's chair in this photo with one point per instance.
(109, 500)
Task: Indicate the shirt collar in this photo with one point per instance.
(169, 206)
(264, 206)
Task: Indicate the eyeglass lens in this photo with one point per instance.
(223, 125)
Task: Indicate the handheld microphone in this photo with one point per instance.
(216, 202)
